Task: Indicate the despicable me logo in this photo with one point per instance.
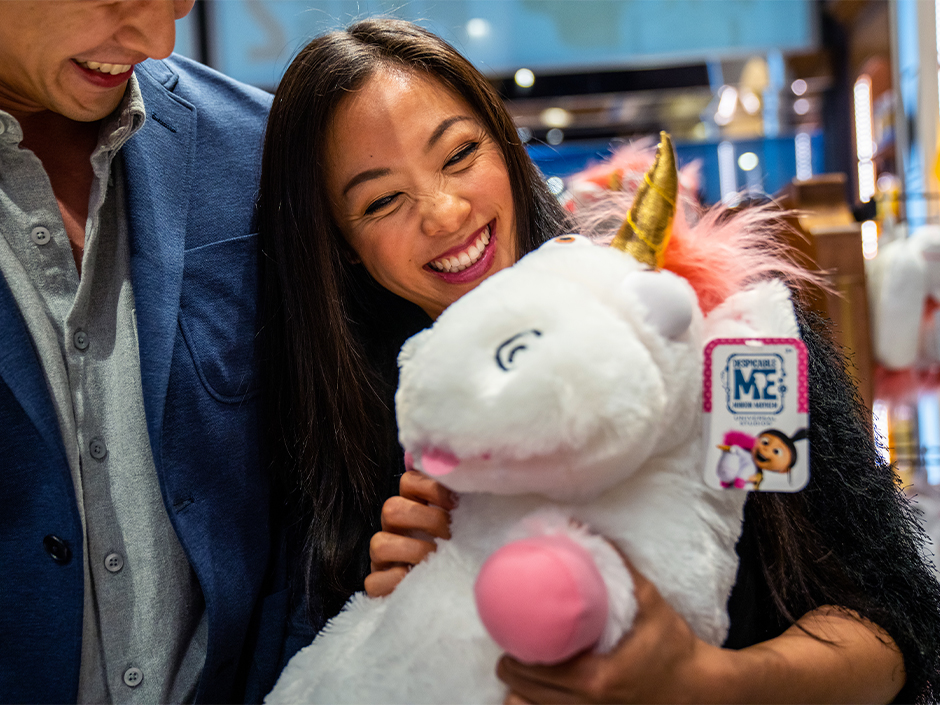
(754, 383)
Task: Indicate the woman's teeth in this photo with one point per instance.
(113, 69)
(467, 258)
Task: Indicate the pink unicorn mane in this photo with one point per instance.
(718, 250)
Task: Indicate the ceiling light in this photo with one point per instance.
(748, 161)
(477, 28)
(525, 78)
(555, 117)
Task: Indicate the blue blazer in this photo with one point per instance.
(192, 176)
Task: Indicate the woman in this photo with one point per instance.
(328, 326)
(393, 182)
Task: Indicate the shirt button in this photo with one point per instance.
(57, 549)
(39, 235)
(97, 448)
(113, 562)
(133, 676)
(80, 339)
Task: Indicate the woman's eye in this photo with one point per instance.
(380, 203)
(463, 153)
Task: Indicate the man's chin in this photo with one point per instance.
(92, 110)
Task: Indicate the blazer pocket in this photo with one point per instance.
(218, 310)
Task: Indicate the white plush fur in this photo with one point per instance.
(597, 419)
(901, 279)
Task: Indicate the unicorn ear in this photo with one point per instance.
(668, 300)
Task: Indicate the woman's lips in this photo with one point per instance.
(452, 271)
(463, 256)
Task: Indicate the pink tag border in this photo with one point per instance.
(802, 371)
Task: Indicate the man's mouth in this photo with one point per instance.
(467, 258)
(111, 69)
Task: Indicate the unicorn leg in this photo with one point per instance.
(545, 598)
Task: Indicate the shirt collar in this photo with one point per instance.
(127, 118)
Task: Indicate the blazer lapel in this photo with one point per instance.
(158, 166)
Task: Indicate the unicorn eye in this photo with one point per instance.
(508, 349)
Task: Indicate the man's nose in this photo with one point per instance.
(149, 26)
(443, 213)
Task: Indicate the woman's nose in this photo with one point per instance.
(443, 213)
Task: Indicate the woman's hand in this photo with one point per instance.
(410, 523)
(661, 660)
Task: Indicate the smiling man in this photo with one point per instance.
(135, 528)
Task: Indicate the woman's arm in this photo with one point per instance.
(410, 523)
(661, 660)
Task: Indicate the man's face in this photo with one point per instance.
(74, 57)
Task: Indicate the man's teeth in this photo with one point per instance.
(467, 258)
(113, 69)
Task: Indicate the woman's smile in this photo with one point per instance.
(468, 261)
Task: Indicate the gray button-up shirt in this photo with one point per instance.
(144, 635)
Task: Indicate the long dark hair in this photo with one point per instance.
(329, 334)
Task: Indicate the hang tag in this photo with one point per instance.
(756, 402)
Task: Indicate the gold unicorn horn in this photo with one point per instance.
(646, 230)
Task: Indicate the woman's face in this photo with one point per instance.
(419, 189)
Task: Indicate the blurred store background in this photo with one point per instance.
(827, 106)
(727, 78)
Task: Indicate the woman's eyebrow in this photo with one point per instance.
(365, 176)
(439, 131)
(442, 128)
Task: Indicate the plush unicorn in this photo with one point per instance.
(562, 400)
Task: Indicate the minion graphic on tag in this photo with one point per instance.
(756, 414)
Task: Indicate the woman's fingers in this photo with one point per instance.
(383, 582)
(527, 686)
(386, 549)
(401, 515)
(410, 523)
(423, 489)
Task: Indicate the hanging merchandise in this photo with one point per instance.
(896, 407)
(904, 292)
